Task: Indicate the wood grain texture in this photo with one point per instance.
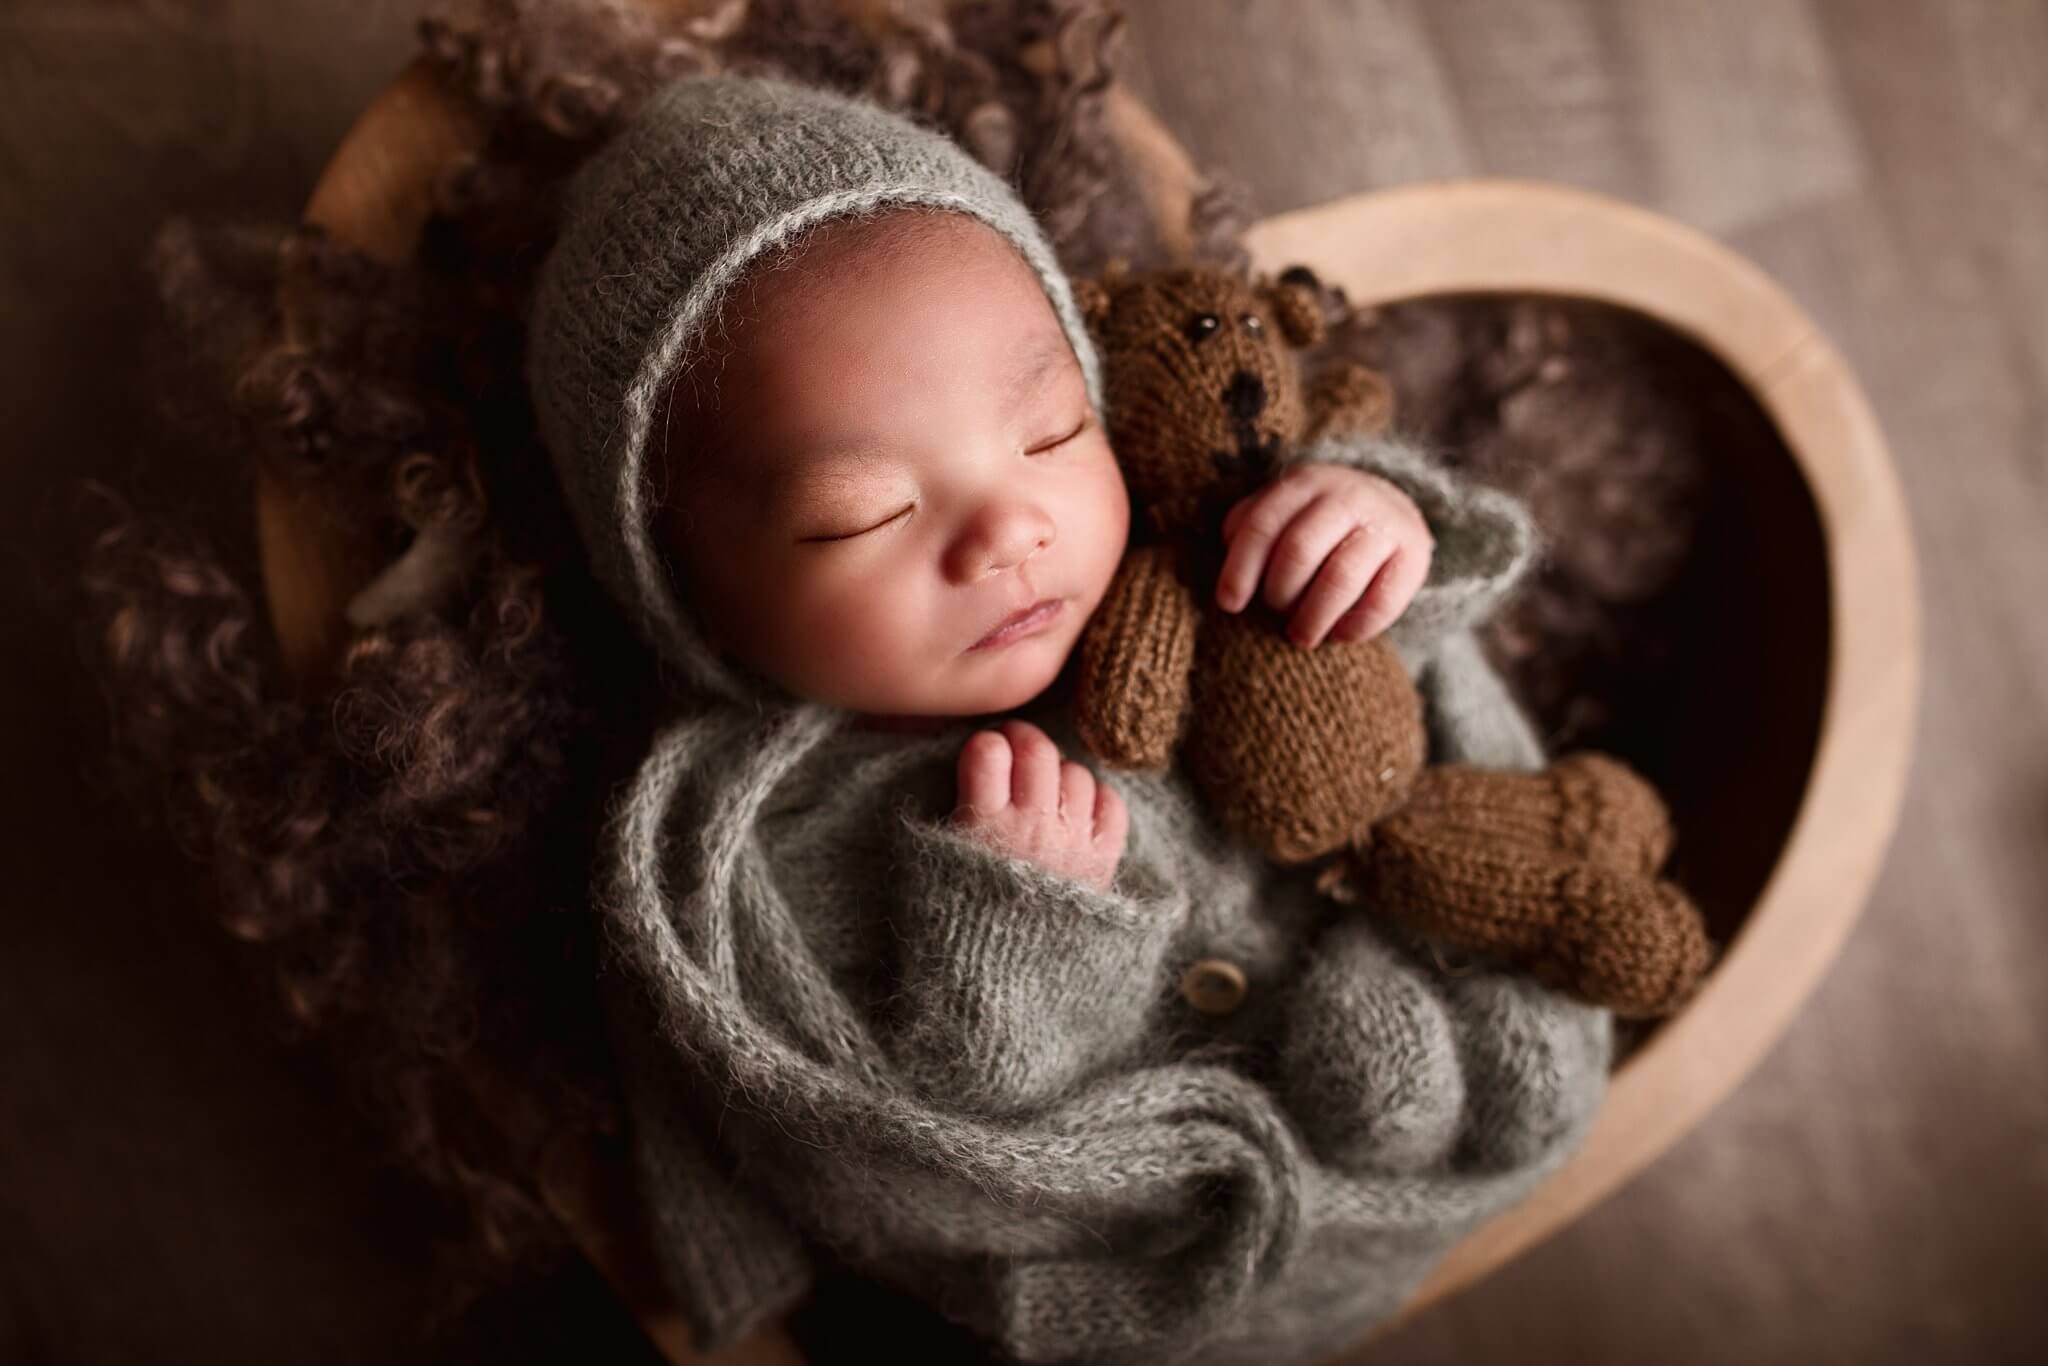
(1874, 1193)
(1546, 96)
(1358, 64)
(1772, 136)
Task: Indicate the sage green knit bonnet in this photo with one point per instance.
(656, 229)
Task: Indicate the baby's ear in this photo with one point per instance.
(1297, 304)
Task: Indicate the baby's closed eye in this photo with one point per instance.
(838, 525)
(895, 516)
(1072, 432)
(840, 504)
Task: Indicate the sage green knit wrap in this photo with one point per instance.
(843, 1029)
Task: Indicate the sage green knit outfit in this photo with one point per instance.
(842, 1026)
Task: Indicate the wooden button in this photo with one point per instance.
(1214, 986)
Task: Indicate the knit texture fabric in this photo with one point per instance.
(1145, 627)
(1553, 871)
(1306, 754)
(840, 1024)
(1297, 751)
(657, 228)
(1300, 750)
(980, 1081)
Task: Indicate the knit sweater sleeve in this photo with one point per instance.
(1472, 717)
(1016, 982)
(1485, 539)
(729, 1261)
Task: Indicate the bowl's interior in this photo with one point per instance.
(1742, 709)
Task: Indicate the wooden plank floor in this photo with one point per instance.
(176, 1183)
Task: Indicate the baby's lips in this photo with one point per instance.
(1026, 621)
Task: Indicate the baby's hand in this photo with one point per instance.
(1018, 795)
(1361, 539)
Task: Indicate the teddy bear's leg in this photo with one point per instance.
(1534, 1067)
(1586, 806)
(1611, 936)
(1611, 813)
(1368, 1064)
(1635, 944)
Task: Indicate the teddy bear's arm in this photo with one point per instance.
(1348, 400)
(1133, 695)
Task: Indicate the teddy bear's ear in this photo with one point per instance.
(1297, 303)
(1092, 298)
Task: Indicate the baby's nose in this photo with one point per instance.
(1001, 536)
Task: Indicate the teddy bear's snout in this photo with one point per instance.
(1244, 399)
(1245, 396)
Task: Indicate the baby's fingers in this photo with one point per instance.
(1251, 528)
(1340, 583)
(1386, 597)
(1034, 767)
(1112, 817)
(984, 772)
(1306, 546)
(1077, 797)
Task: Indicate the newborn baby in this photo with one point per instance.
(893, 985)
(897, 454)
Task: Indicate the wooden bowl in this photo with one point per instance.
(1789, 756)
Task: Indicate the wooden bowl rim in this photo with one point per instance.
(1484, 236)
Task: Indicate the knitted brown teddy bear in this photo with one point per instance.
(1308, 752)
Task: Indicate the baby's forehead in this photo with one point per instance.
(715, 416)
(803, 347)
(841, 262)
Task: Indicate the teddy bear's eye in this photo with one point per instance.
(1203, 326)
(1252, 323)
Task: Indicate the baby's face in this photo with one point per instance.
(896, 458)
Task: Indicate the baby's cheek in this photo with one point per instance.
(864, 624)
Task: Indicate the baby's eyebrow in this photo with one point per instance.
(822, 488)
(1034, 363)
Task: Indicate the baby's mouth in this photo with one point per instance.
(1028, 621)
